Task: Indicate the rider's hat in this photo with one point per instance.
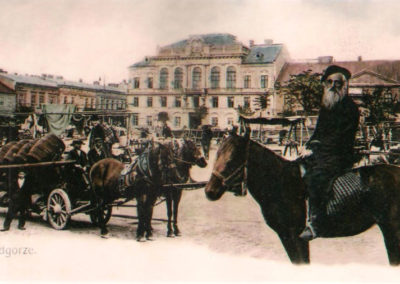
(335, 69)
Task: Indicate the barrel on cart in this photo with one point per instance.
(57, 188)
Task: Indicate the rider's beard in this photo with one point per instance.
(331, 98)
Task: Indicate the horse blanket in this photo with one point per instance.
(346, 192)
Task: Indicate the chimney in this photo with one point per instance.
(251, 43)
(268, 41)
(359, 58)
(80, 80)
(60, 77)
(96, 83)
(325, 59)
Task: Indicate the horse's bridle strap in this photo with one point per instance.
(226, 179)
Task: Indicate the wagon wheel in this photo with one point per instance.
(107, 211)
(58, 209)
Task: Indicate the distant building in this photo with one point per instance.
(33, 91)
(212, 72)
(7, 101)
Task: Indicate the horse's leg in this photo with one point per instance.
(140, 199)
(151, 200)
(168, 198)
(177, 194)
(391, 235)
(296, 248)
(100, 217)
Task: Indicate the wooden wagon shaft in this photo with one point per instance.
(186, 185)
(28, 165)
(379, 152)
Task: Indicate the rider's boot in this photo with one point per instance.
(315, 222)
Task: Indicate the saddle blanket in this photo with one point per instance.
(347, 191)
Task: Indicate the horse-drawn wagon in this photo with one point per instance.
(57, 189)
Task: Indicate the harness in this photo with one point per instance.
(229, 181)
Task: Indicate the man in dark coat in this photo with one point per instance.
(166, 131)
(206, 137)
(96, 153)
(81, 159)
(332, 145)
(19, 195)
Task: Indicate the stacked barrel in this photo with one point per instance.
(48, 148)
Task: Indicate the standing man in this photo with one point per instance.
(332, 145)
(19, 199)
(166, 131)
(206, 137)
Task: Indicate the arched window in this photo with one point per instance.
(178, 78)
(215, 78)
(164, 78)
(231, 78)
(196, 78)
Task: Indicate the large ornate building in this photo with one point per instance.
(203, 80)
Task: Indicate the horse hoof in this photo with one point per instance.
(105, 236)
(140, 239)
(178, 234)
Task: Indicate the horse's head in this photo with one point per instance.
(229, 167)
(192, 154)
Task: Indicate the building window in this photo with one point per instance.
(196, 101)
(214, 102)
(247, 82)
(86, 102)
(177, 121)
(231, 78)
(178, 102)
(149, 101)
(214, 121)
(41, 98)
(163, 101)
(264, 81)
(150, 82)
(135, 101)
(136, 83)
(149, 120)
(33, 99)
(229, 121)
(215, 78)
(135, 119)
(196, 78)
(92, 103)
(21, 99)
(65, 100)
(246, 101)
(387, 97)
(178, 78)
(231, 103)
(164, 79)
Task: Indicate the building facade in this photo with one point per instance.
(203, 80)
(33, 91)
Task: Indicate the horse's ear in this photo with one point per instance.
(247, 133)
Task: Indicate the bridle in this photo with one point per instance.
(229, 181)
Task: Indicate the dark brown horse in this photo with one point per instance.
(186, 154)
(276, 184)
(167, 164)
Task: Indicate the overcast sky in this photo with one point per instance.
(89, 39)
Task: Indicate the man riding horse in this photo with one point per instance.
(332, 145)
